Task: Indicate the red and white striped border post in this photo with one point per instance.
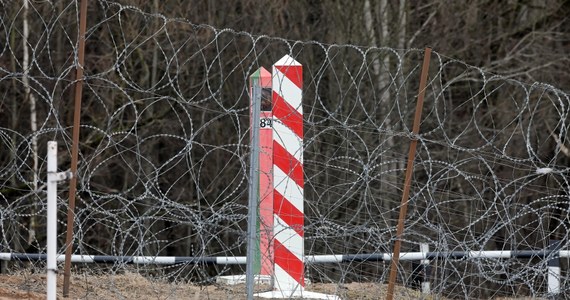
(288, 183)
(288, 175)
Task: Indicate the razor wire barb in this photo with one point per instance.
(164, 150)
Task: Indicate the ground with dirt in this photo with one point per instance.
(134, 286)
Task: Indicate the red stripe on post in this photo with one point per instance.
(294, 73)
(288, 213)
(288, 261)
(288, 164)
(287, 114)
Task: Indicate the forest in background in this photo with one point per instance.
(135, 85)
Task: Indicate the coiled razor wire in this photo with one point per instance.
(165, 142)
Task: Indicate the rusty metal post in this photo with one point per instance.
(408, 178)
(75, 145)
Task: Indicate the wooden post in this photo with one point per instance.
(408, 178)
(75, 146)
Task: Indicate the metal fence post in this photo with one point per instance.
(52, 179)
(554, 269)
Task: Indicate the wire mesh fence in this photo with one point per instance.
(164, 154)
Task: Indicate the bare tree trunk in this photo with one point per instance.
(154, 67)
(384, 81)
(11, 242)
(33, 122)
(401, 41)
(153, 150)
(402, 20)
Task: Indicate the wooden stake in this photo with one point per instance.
(408, 178)
(75, 146)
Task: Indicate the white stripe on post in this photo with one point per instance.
(424, 249)
(51, 220)
(287, 189)
(288, 89)
(288, 176)
(288, 237)
(287, 137)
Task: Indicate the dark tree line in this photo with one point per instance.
(164, 142)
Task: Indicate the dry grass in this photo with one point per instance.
(26, 285)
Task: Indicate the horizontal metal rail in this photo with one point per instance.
(310, 259)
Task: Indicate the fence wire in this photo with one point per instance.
(164, 154)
